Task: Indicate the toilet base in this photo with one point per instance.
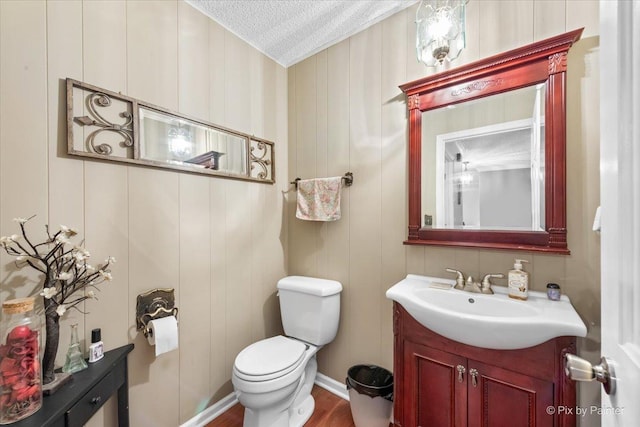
(294, 417)
(293, 412)
(300, 415)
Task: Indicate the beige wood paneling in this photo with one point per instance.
(292, 154)
(256, 195)
(238, 251)
(104, 63)
(105, 51)
(437, 260)
(237, 83)
(393, 173)
(220, 360)
(64, 39)
(365, 256)
(154, 241)
(238, 203)
(193, 62)
(504, 25)
(195, 242)
(321, 115)
(154, 210)
(548, 19)
(583, 13)
(304, 247)
(336, 243)
(23, 112)
(152, 52)
(274, 218)
(472, 34)
(217, 89)
(195, 294)
(415, 69)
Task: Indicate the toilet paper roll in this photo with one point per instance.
(163, 333)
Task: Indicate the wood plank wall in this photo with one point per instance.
(218, 242)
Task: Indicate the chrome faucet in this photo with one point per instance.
(486, 282)
(459, 278)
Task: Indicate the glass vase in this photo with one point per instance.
(75, 361)
(20, 372)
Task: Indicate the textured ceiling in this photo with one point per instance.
(289, 31)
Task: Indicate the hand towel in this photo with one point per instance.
(319, 199)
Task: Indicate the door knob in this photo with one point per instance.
(579, 369)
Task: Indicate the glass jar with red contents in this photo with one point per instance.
(20, 371)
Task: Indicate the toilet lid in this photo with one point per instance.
(277, 355)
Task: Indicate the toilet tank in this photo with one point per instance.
(310, 308)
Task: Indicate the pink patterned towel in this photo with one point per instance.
(319, 199)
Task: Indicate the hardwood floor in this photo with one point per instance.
(330, 411)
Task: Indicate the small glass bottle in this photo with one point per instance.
(96, 349)
(75, 361)
(20, 371)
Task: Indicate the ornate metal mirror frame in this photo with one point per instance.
(105, 125)
(541, 62)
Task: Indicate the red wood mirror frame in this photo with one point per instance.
(541, 62)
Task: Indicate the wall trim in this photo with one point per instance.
(332, 386)
(222, 405)
(212, 412)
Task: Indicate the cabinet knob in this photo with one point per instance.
(461, 371)
(96, 400)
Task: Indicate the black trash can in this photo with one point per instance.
(370, 395)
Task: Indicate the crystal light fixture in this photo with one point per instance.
(440, 31)
(180, 141)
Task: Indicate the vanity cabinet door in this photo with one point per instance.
(435, 387)
(502, 398)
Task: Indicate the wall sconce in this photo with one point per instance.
(440, 31)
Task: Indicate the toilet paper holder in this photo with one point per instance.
(154, 304)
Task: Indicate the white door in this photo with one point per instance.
(620, 201)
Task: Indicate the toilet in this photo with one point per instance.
(272, 378)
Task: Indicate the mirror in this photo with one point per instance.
(483, 163)
(110, 126)
(487, 151)
(174, 140)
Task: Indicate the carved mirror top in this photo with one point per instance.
(543, 65)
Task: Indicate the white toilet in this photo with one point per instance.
(273, 378)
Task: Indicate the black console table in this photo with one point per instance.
(75, 402)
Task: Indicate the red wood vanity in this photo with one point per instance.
(440, 382)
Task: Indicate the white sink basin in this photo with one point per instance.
(489, 321)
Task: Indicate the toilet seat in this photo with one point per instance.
(269, 359)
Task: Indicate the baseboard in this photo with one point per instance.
(332, 386)
(218, 408)
(212, 412)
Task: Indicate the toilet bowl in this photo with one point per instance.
(272, 378)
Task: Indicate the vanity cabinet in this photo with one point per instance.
(440, 382)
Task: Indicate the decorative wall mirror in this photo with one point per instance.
(110, 126)
(487, 151)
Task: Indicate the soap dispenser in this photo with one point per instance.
(518, 281)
